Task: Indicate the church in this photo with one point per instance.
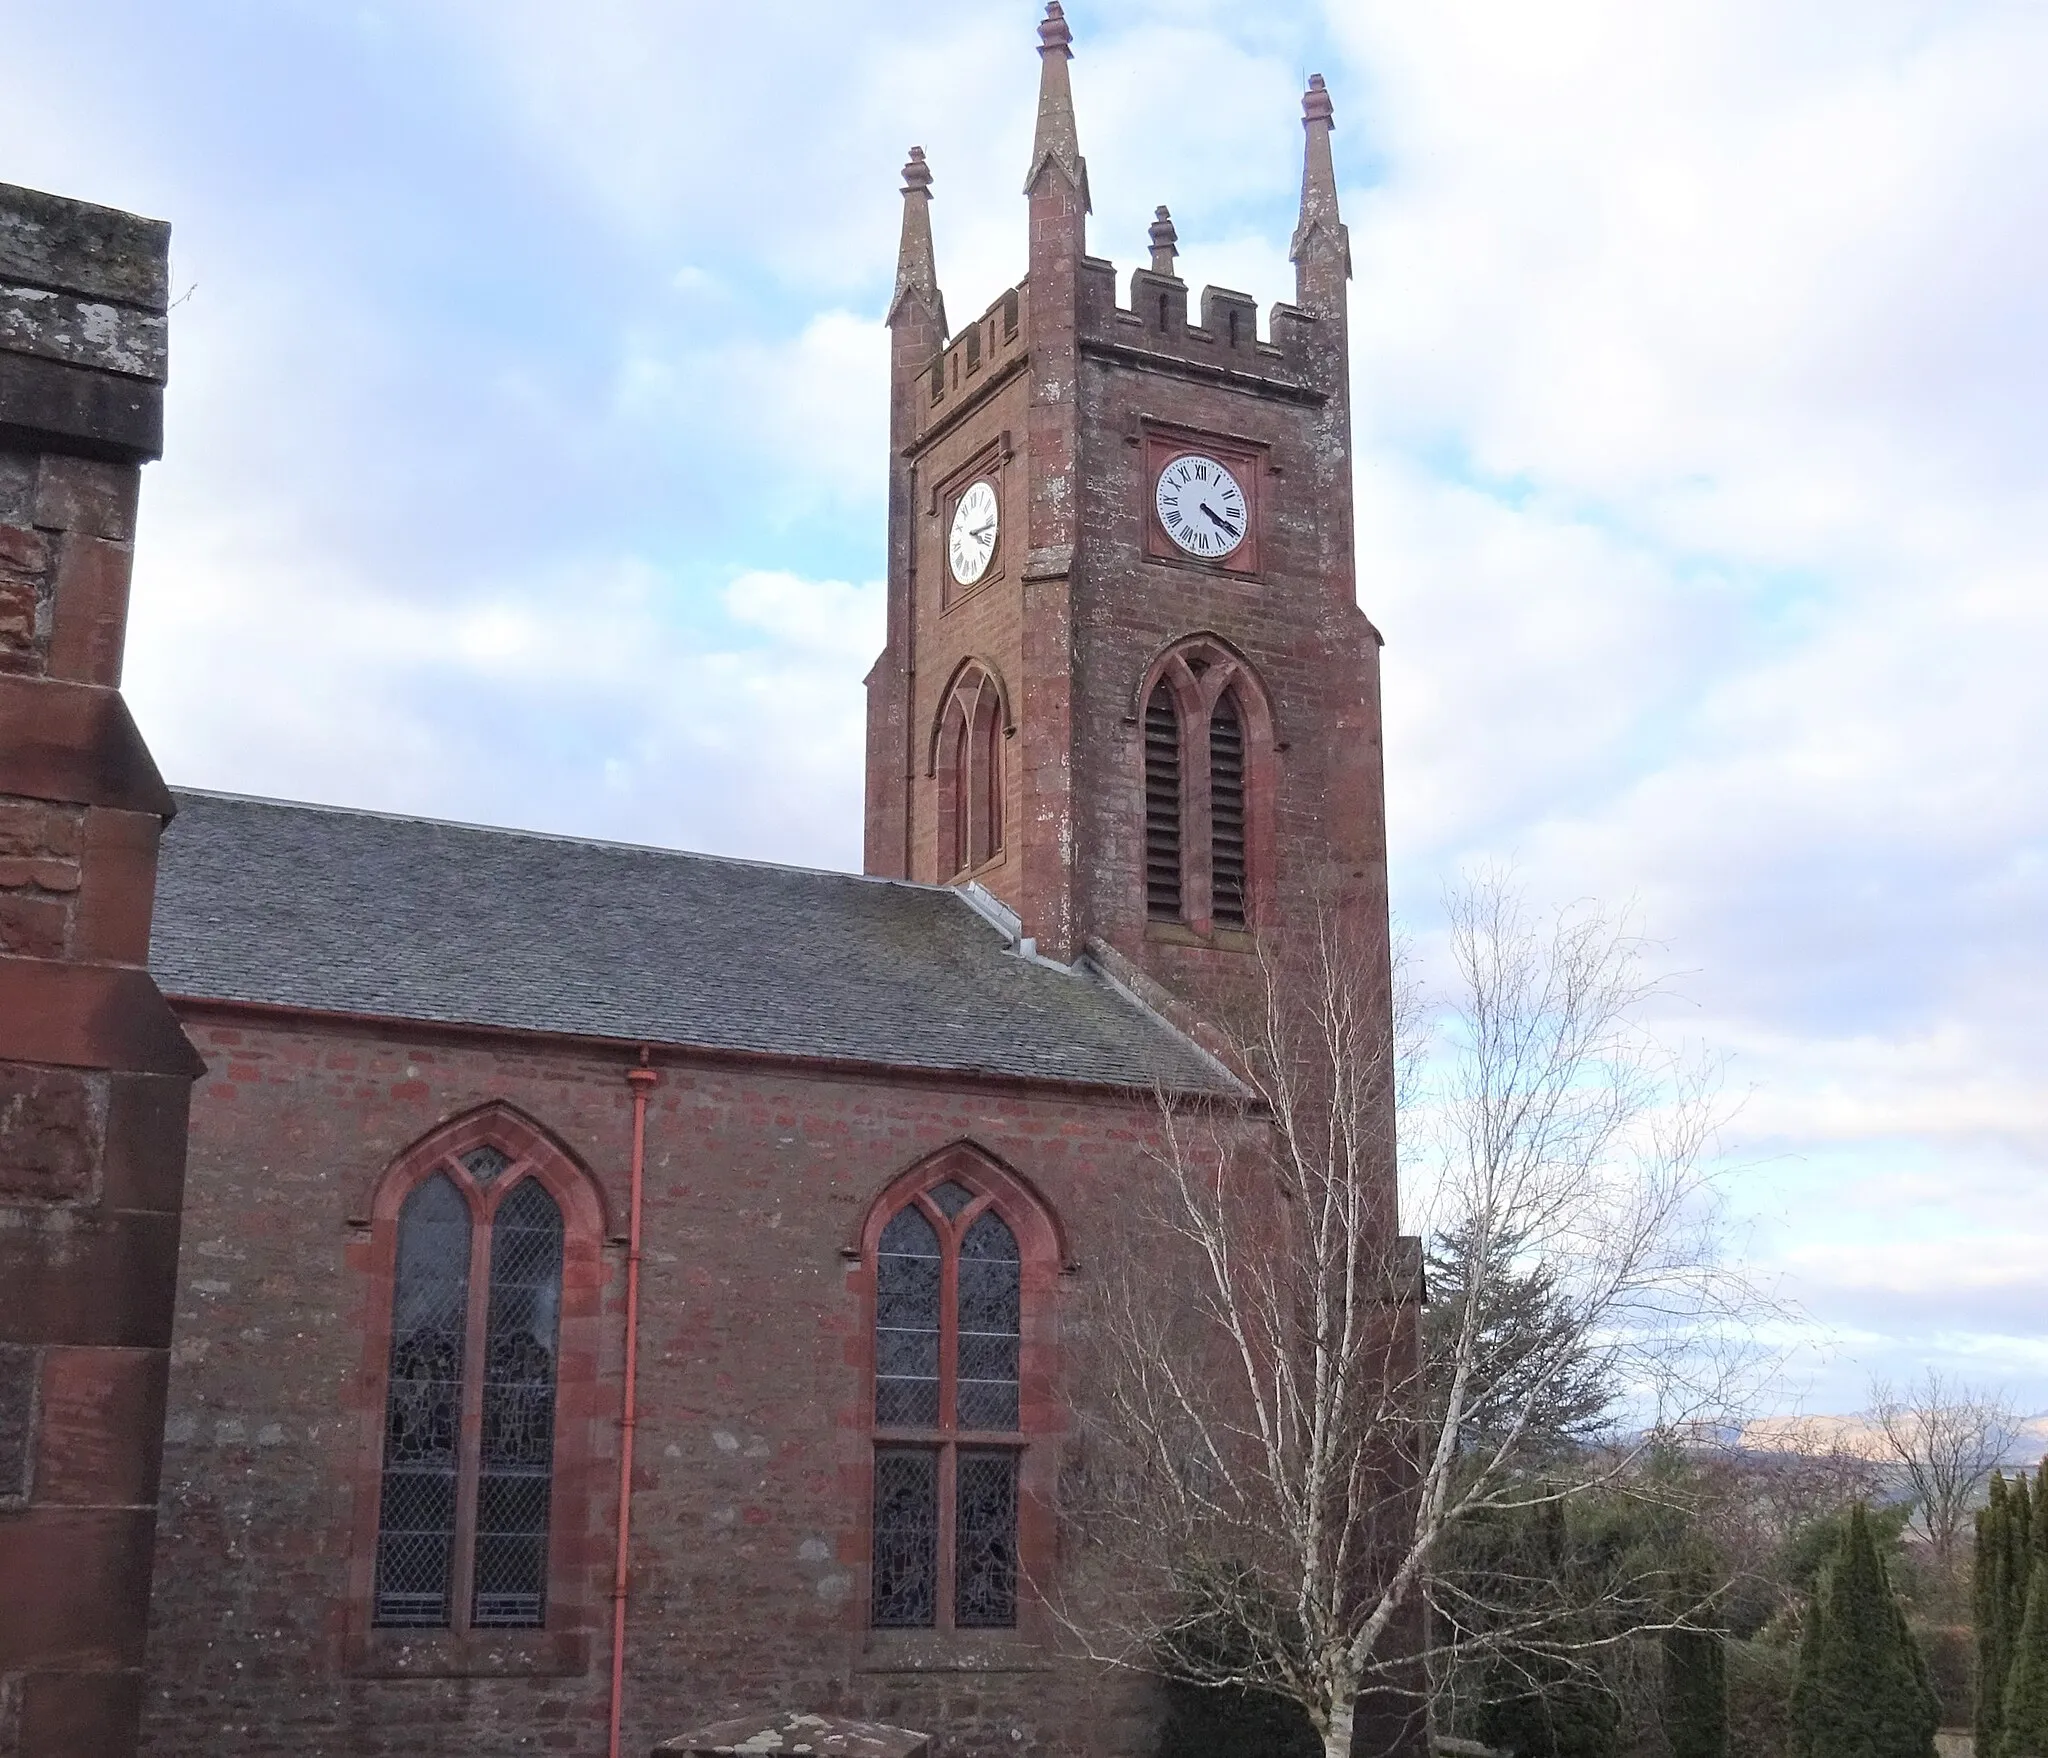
(620, 1289)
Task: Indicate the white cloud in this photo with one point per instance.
(1701, 389)
(529, 421)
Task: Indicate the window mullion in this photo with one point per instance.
(949, 1409)
(949, 1513)
(469, 1441)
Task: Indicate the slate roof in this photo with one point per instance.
(412, 919)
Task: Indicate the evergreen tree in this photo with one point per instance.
(1991, 1564)
(2025, 1717)
(2019, 1543)
(1696, 1692)
(1862, 1690)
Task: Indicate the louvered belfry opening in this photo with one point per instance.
(1226, 813)
(1162, 806)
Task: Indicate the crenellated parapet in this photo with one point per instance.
(1217, 340)
(985, 354)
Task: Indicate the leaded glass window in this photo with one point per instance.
(948, 1356)
(423, 1409)
(468, 1466)
(906, 1538)
(989, 1329)
(985, 1541)
(516, 1458)
(907, 1276)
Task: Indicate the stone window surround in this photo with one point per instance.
(576, 1552)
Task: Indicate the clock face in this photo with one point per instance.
(1201, 505)
(972, 541)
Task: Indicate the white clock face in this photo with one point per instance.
(972, 540)
(1201, 505)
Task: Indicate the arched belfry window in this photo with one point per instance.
(1208, 750)
(484, 1220)
(1226, 812)
(950, 1419)
(967, 763)
(1162, 805)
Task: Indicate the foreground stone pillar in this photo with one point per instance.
(95, 1074)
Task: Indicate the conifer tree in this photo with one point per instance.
(1991, 1565)
(2025, 1709)
(2019, 1544)
(1862, 1690)
(1695, 1692)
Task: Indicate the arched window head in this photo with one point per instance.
(968, 766)
(1208, 754)
(483, 1219)
(951, 1248)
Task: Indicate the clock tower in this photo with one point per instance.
(1127, 687)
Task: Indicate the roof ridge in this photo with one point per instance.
(596, 842)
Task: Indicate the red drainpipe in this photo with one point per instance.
(642, 1080)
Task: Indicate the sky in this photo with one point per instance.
(525, 457)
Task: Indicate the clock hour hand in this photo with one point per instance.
(1221, 524)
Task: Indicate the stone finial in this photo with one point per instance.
(1165, 242)
(1320, 229)
(917, 272)
(1057, 141)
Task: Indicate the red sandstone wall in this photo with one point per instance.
(748, 1567)
(93, 1072)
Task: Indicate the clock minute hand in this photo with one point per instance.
(1221, 524)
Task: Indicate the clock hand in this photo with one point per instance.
(1223, 525)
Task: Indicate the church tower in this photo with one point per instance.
(1127, 687)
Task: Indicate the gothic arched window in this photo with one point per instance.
(949, 1415)
(1207, 744)
(1162, 805)
(968, 763)
(483, 1220)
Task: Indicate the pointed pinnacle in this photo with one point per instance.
(1057, 139)
(917, 272)
(1165, 242)
(1319, 214)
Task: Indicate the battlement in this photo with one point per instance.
(976, 358)
(1155, 326)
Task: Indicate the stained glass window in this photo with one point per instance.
(516, 1458)
(466, 1490)
(907, 1275)
(423, 1409)
(985, 1541)
(948, 1347)
(906, 1538)
(988, 1333)
(949, 1198)
(485, 1163)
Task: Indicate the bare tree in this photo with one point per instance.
(1269, 1472)
(1945, 1438)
